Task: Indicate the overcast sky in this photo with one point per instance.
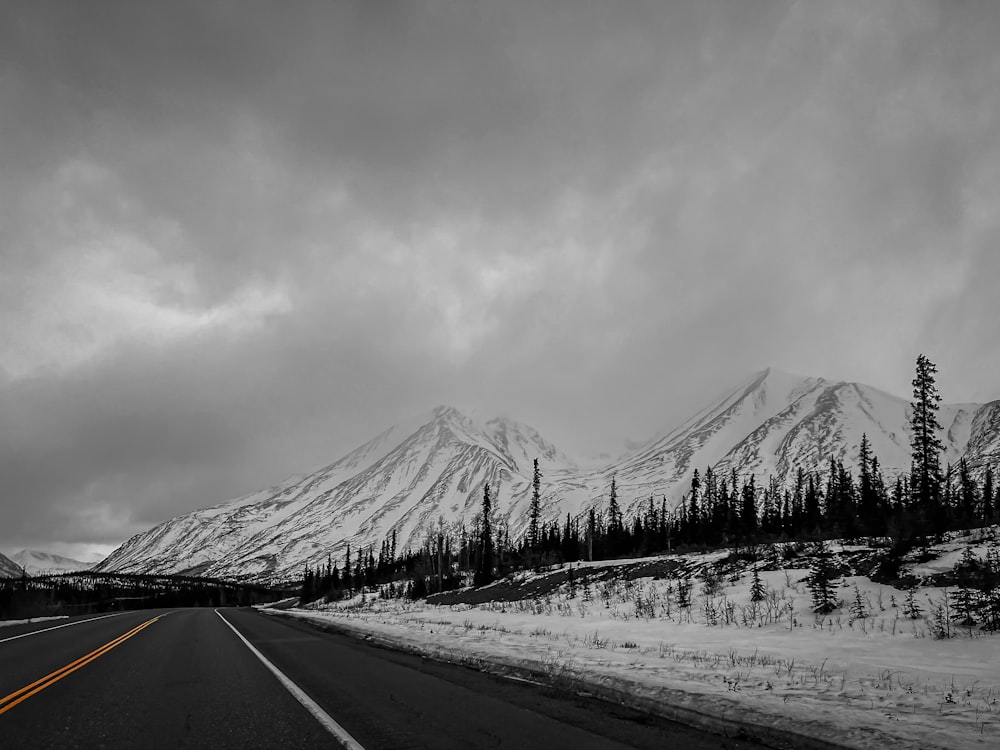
(236, 240)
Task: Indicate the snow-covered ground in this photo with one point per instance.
(5, 623)
(877, 681)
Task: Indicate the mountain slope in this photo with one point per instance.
(9, 568)
(432, 468)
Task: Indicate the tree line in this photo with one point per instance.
(93, 592)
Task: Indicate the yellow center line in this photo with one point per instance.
(8, 702)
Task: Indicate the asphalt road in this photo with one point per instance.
(186, 679)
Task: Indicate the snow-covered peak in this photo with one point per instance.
(36, 562)
(403, 481)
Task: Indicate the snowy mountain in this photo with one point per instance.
(404, 480)
(36, 562)
(433, 468)
(8, 568)
(774, 423)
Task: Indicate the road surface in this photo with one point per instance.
(235, 678)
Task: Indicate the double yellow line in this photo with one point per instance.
(8, 702)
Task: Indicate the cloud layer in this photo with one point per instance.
(236, 240)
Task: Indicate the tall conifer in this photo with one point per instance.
(485, 574)
(988, 504)
(536, 506)
(926, 447)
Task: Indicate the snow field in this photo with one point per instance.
(864, 676)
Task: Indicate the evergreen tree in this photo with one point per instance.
(798, 502)
(910, 606)
(811, 506)
(591, 532)
(710, 504)
(757, 591)
(665, 526)
(650, 528)
(964, 604)
(925, 445)
(946, 506)
(568, 545)
(989, 503)
(615, 527)
(990, 591)
(820, 583)
(968, 494)
(748, 507)
(306, 592)
(694, 512)
(859, 607)
(879, 496)
(940, 624)
(899, 495)
(684, 592)
(770, 507)
(485, 573)
(867, 499)
(536, 506)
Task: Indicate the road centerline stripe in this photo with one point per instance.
(328, 722)
(19, 696)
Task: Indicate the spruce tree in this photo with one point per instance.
(694, 512)
(990, 604)
(867, 502)
(899, 496)
(536, 506)
(811, 506)
(757, 590)
(591, 532)
(798, 502)
(748, 507)
(485, 572)
(306, 592)
(910, 607)
(859, 607)
(880, 496)
(925, 445)
(964, 605)
(615, 527)
(684, 592)
(820, 583)
(665, 525)
(968, 494)
(988, 503)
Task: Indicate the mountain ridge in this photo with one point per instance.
(433, 466)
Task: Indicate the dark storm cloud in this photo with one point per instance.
(239, 238)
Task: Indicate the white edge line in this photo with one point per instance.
(64, 625)
(311, 706)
